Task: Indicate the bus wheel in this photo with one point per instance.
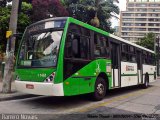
(100, 89)
(146, 82)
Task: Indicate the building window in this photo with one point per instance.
(131, 0)
(128, 19)
(144, 0)
(151, 0)
(141, 5)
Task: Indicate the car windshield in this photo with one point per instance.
(40, 47)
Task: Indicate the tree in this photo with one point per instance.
(94, 12)
(4, 20)
(23, 22)
(43, 9)
(148, 41)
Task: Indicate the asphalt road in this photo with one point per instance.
(126, 101)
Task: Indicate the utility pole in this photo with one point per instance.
(158, 50)
(9, 63)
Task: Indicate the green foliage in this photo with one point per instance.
(26, 8)
(148, 41)
(23, 22)
(24, 17)
(94, 12)
(4, 20)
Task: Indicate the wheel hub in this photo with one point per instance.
(100, 88)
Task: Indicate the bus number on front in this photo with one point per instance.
(42, 75)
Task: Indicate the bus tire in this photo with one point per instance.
(146, 81)
(100, 89)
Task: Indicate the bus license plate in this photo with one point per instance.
(29, 86)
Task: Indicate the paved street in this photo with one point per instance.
(132, 100)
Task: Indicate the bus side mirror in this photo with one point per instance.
(75, 46)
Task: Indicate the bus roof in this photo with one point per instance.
(95, 29)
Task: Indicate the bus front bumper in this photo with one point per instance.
(48, 89)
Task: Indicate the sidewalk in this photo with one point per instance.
(13, 95)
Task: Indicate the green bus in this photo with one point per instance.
(65, 57)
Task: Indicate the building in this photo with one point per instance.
(140, 18)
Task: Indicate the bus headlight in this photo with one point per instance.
(50, 78)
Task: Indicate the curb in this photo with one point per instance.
(16, 97)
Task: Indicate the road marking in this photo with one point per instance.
(115, 99)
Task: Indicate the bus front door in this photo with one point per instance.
(115, 57)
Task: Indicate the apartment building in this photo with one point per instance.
(140, 18)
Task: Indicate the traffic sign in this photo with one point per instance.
(8, 34)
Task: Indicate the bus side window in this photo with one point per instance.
(101, 46)
(132, 54)
(148, 58)
(153, 59)
(84, 49)
(145, 59)
(76, 46)
(96, 46)
(80, 47)
(124, 54)
(78, 41)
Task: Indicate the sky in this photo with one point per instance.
(122, 6)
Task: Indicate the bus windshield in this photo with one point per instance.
(40, 45)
